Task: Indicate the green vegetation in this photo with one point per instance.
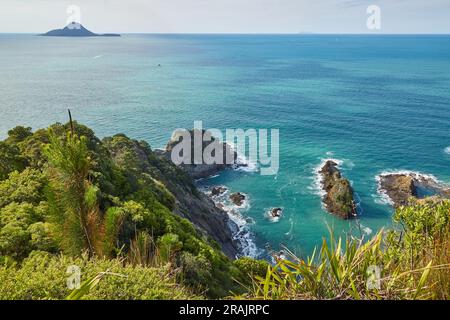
(413, 263)
(108, 206)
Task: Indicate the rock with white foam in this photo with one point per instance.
(338, 197)
(238, 198)
(404, 187)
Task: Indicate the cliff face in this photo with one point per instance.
(203, 213)
(339, 193)
(189, 203)
(401, 187)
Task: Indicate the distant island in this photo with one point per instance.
(76, 30)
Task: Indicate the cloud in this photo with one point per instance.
(228, 16)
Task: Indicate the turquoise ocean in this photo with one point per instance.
(376, 103)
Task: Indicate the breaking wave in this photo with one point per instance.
(383, 198)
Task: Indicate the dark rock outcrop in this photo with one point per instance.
(202, 169)
(189, 202)
(76, 30)
(401, 187)
(339, 193)
(276, 212)
(238, 198)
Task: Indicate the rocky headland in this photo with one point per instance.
(203, 170)
(338, 197)
(401, 188)
(238, 198)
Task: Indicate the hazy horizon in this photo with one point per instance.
(228, 17)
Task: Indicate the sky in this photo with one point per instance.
(230, 16)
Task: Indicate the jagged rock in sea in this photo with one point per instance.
(401, 187)
(203, 170)
(339, 193)
(276, 212)
(190, 203)
(76, 30)
(238, 198)
(218, 190)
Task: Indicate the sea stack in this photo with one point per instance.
(339, 193)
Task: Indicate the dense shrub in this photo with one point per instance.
(10, 160)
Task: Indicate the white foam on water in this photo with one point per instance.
(97, 57)
(348, 164)
(243, 207)
(415, 174)
(447, 150)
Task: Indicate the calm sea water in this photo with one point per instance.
(378, 103)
